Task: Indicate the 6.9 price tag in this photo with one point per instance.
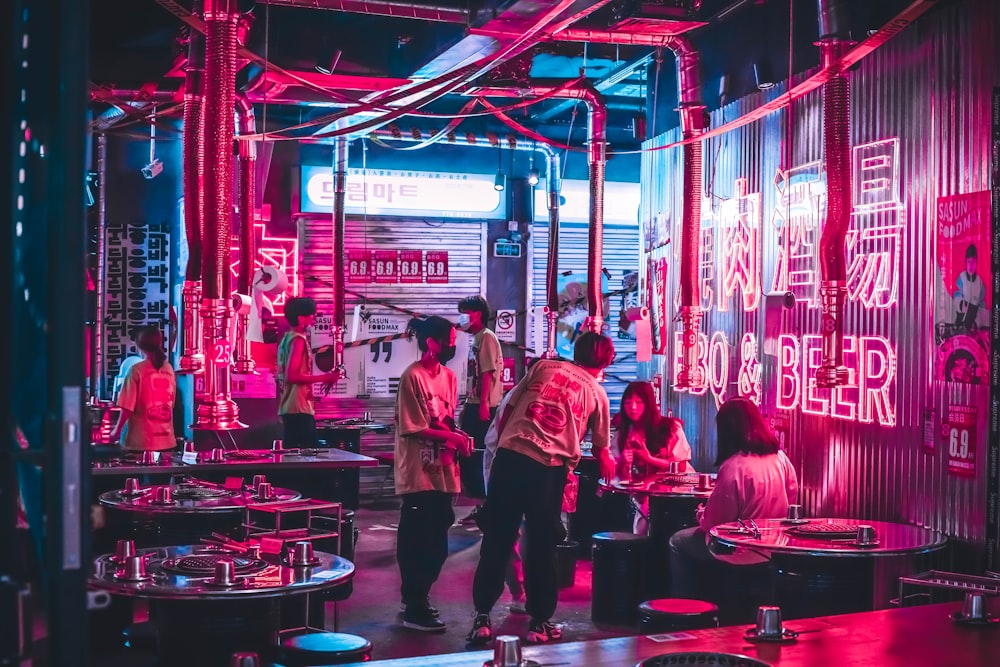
(437, 266)
(384, 263)
(359, 266)
(411, 266)
(959, 433)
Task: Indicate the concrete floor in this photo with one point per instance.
(373, 609)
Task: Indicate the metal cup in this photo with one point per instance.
(277, 445)
(704, 481)
(674, 467)
(264, 491)
(244, 659)
(253, 552)
(189, 447)
(367, 418)
(866, 535)
(131, 486)
(147, 458)
(124, 549)
(218, 455)
(795, 512)
(134, 569)
(507, 651)
(972, 607)
(225, 572)
(163, 495)
(257, 481)
(769, 622)
(302, 553)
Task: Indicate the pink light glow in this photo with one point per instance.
(748, 378)
(277, 251)
(739, 221)
(718, 367)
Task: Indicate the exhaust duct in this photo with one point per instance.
(837, 152)
(246, 179)
(216, 409)
(193, 157)
(340, 147)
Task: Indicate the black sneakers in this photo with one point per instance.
(481, 632)
(427, 605)
(421, 618)
(542, 632)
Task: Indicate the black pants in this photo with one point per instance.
(521, 487)
(422, 542)
(300, 430)
(472, 467)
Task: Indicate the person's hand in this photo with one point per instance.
(462, 442)
(607, 465)
(628, 456)
(699, 512)
(333, 376)
(484, 412)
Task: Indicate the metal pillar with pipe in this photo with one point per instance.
(833, 43)
(694, 120)
(246, 178)
(192, 358)
(340, 149)
(216, 411)
(97, 336)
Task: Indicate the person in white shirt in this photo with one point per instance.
(755, 481)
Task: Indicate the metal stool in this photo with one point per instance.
(676, 614)
(619, 577)
(322, 648)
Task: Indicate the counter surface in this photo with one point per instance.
(244, 460)
(889, 638)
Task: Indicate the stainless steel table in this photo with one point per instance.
(236, 461)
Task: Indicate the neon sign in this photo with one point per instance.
(796, 218)
(868, 394)
(277, 251)
(748, 377)
(739, 221)
(718, 366)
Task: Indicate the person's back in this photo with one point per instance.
(751, 486)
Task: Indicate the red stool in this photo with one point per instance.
(676, 614)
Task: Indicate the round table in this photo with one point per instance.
(200, 623)
(818, 574)
(673, 499)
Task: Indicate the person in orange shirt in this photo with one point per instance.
(147, 397)
(539, 436)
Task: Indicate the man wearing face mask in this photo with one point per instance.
(485, 388)
(427, 471)
(295, 377)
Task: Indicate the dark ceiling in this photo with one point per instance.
(140, 45)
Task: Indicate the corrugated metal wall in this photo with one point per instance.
(930, 88)
(621, 255)
(465, 242)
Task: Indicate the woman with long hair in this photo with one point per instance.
(146, 398)
(644, 437)
(755, 481)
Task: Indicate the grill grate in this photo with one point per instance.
(203, 565)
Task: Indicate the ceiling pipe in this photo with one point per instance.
(192, 358)
(597, 124)
(216, 411)
(833, 43)
(246, 177)
(553, 185)
(407, 10)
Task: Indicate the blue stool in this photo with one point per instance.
(323, 648)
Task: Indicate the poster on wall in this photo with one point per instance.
(137, 287)
(573, 310)
(962, 289)
(656, 293)
(629, 299)
(959, 434)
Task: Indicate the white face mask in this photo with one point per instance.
(464, 320)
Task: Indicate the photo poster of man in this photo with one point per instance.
(963, 288)
(629, 298)
(573, 310)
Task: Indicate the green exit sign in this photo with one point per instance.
(506, 249)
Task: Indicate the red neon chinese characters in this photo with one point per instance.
(748, 377)
(718, 367)
(869, 393)
(796, 217)
(702, 361)
(875, 241)
(739, 222)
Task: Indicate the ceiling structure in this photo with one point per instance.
(367, 49)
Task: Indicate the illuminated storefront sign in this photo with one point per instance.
(404, 193)
(729, 269)
(621, 202)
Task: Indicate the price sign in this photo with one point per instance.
(437, 266)
(508, 374)
(411, 266)
(359, 266)
(385, 262)
(959, 434)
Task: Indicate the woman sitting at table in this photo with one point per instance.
(755, 481)
(647, 441)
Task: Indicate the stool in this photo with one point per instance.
(618, 577)
(323, 648)
(386, 459)
(676, 614)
